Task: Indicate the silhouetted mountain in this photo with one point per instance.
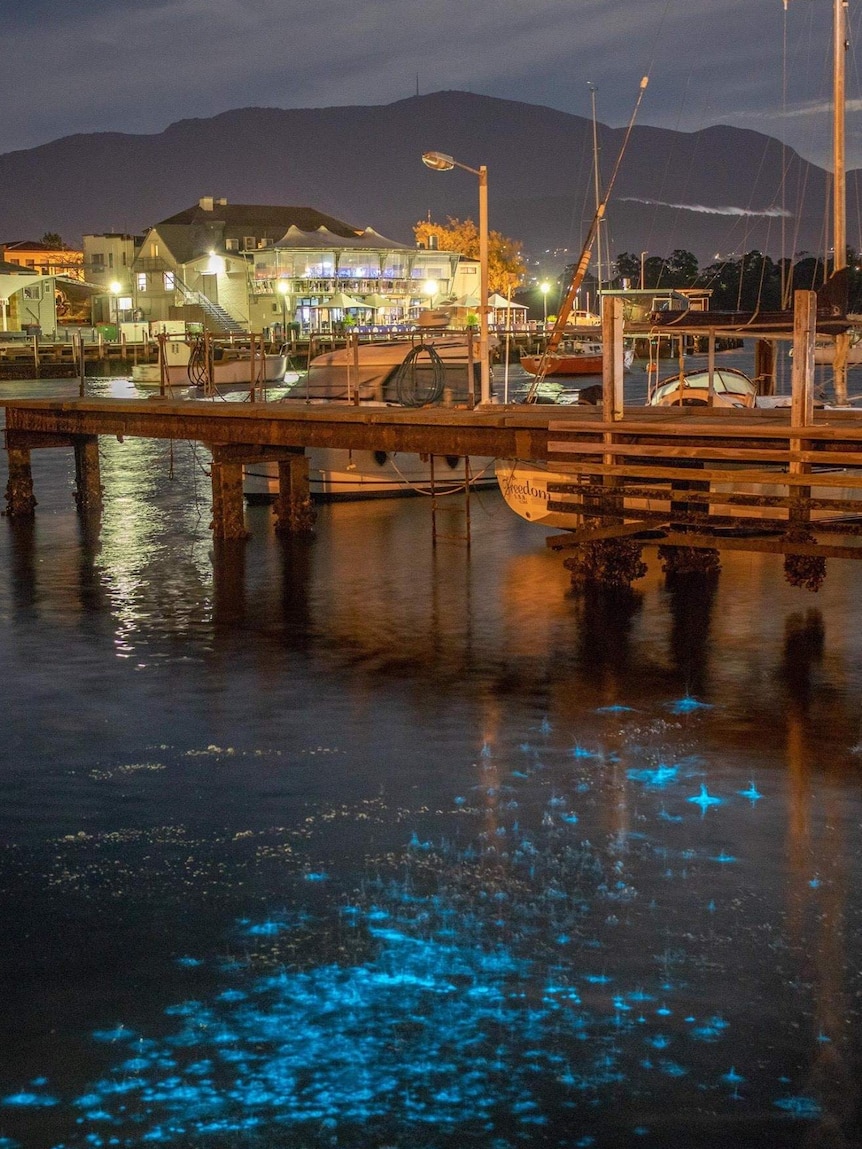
(362, 164)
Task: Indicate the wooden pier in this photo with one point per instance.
(785, 480)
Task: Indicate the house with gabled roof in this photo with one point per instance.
(198, 264)
(240, 267)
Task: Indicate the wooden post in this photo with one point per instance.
(354, 339)
(802, 376)
(471, 371)
(88, 486)
(228, 511)
(612, 359)
(764, 366)
(802, 397)
(79, 355)
(293, 511)
(20, 501)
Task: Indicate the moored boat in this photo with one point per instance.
(572, 357)
(429, 370)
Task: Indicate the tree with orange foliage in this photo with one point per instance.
(505, 264)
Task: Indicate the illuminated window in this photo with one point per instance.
(141, 279)
(170, 281)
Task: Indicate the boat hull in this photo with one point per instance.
(524, 486)
(229, 373)
(563, 364)
(335, 474)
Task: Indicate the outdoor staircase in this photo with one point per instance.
(220, 320)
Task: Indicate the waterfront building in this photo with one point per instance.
(240, 267)
(108, 260)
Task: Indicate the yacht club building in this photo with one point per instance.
(240, 267)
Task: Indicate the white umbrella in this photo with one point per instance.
(342, 301)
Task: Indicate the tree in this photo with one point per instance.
(506, 268)
(52, 239)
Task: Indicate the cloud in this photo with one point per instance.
(766, 213)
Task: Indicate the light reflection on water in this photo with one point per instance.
(362, 842)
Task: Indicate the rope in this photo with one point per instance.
(409, 389)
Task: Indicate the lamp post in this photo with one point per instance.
(283, 288)
(439, 162)
(544, 288)
(116, 288)
(644, 254)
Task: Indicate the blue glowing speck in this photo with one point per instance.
(661, 776)
(799, 1106)
(752, 793)
(732, 1077)
(815, 883)
(189, 962)
(723, 858)
(665, 817)
(119, 1033)
(316, 876)
(545, 726)
(615, 708)
(582, 752)
(687, 704)
(705, 799)
(823, 1038)
(27, 1100)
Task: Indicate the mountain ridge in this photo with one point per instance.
(363, 164)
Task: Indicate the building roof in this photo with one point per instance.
(256, 219)
(328, 240)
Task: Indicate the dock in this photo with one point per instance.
(784, 480)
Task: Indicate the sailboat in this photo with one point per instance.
(528, 486)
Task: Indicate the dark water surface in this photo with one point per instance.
(364, 843)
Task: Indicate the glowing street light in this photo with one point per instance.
(439, 162)
(544, 288)
(115, 288)
(283, 287)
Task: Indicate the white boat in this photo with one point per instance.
(335, 474)
(231, 367)
(729, 388)
(426, 370)
(429, 370)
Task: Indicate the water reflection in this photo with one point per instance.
(361, 841)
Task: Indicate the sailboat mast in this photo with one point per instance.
(839, 190)
(598, 190)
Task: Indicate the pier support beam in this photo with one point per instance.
(20, 501)
(610, 562)
(88, 485)
(294, 514)
(228, 520)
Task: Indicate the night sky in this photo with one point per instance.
(139, 65)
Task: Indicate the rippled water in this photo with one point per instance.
(360, 842)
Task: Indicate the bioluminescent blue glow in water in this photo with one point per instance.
(359, 842)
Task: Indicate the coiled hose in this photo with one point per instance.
(417, 386)
(197, 366)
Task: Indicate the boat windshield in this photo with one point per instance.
(725, 382)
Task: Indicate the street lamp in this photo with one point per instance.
(644, 254)
(430, 288)
(283, 288)
(544, 288)
(115, 289)
(439, 162)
